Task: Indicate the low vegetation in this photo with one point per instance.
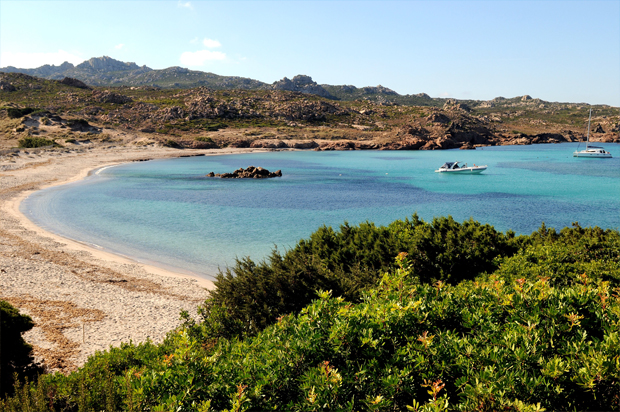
(466, 318)
(34, 142)
(389, 120)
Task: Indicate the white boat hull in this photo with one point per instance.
(592, 154)
(464, 170)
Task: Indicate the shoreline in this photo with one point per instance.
(83, 299)
(13, 207)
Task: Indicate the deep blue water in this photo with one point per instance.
(166, 212)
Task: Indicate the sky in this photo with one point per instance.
(565, 51)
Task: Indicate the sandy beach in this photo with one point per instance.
(83, 299)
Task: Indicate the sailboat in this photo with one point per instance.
(591, 151)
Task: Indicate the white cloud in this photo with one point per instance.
(195, 40)
(187, 5)
(210, 43)
(199, 57)
(119, 46)
(24, 60)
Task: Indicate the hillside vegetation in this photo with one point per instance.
(479, 321)
(291, 116)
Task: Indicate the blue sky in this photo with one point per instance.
(566, 51)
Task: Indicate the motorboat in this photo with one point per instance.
(591, 151)
(454, 167)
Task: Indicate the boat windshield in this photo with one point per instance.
(448, 165)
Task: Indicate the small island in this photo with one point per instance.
(250, 173)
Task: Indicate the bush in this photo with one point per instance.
(205, 139)
(563, 257)
(487, 345)
(15, 113)
(249, 296)
(15, 353)
(33, 142)
(173, 144)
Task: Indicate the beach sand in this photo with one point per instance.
(83, 299)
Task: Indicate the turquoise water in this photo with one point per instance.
(166, 212)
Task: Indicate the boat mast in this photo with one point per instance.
(588, 134)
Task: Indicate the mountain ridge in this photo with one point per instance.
(106, 71)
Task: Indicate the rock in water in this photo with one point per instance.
(250, 173)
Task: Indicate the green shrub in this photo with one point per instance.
(563, 257)
(487, 345)
(33, 142)
(15, 113)
(173, 144)
(249, 296)
(205, 139)
(15, 353)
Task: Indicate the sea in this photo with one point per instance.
(168, 213)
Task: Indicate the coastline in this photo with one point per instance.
(83, 299)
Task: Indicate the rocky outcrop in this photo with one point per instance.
(452, 105)
(250, 173)
(303, 84)
(438, 118)
(269, 144)
(106, 64)
(105, 96)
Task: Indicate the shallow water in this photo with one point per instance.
(166, 212)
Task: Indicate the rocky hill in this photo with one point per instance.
(68, 111)
(105, 71)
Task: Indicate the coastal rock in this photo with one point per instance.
(269, 144)
(303, 144)
(548, 138)
(526, 98)
(598, 129)
(468, 146)
(250, 173)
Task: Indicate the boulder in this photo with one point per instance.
(598, 129)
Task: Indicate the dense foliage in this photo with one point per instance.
(33, 142)
(15, 354)
(487, 345)
(16, 113)
(537, 329)
(250, 296)
(561, 256)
